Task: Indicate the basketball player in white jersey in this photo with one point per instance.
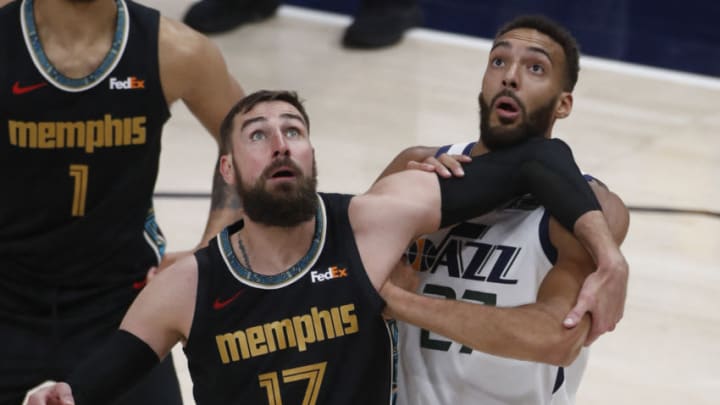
(517, 256)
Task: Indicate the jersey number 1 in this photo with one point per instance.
(80, 174)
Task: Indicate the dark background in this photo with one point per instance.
(680, 35)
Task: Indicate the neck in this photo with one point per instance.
(273, 249)
(479, 148)
(72, 21)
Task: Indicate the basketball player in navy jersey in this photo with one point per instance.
(514, 256)
(85, 89)
(283, 306)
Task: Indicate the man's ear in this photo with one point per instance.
(226, 168)
(564, 105)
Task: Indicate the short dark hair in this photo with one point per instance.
(251, 100)
(558, 34)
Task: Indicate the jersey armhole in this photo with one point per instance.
(544, 236)
(544, 230)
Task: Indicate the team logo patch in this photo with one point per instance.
(460, 254)
(422, 254)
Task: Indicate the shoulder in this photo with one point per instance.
(182, 273)
(614, 210)
(180, 43)
(456, 149)
(187, 58)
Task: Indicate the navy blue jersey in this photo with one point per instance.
(313, 334)
(79, 157)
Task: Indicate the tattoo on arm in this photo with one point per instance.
(223, 195)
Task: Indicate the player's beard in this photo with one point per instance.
(534, 124)
(288, 205)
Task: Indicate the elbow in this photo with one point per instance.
(564, 346)
(565, 356)
(560, 355)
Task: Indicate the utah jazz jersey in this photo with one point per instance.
(79, 156)
(311, 335)
(497, 259)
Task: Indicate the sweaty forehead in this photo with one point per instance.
(526, 38)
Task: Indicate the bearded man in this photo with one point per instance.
(517, 256)
(284, 306)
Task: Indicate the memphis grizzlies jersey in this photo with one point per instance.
(311, 335)
(79, 156)
(497, 259)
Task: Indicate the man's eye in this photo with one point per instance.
(537, 68)
(257, 136)
(497, 62)
(292, 133)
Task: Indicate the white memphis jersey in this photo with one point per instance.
(497, 259)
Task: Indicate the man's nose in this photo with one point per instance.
(511, 79)
(280, 145)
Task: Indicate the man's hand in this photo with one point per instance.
(403, 277)
(444, 165)
(50, 394)
(603, 295)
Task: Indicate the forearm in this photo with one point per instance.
(593, 232)
(542, 167)
(111, 371)
(532, 332)
(546, 169)
(225, 207)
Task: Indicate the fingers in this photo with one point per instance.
(602, 322)
(575, 315)
(50, 394)
(444, 165)
(64, 394)
(429, 167)
(453, 163)
(599, 328)
(154, 271)
(592, 337)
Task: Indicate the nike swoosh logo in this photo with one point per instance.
(220, 304)
(19, 90)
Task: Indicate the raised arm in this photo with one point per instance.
(532, 332)
(603, 293)
(193, 70)
(404, 205)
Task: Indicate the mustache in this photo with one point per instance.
(508, 93)
(278, 163)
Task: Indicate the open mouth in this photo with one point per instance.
(282, 173)
(507, 108)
